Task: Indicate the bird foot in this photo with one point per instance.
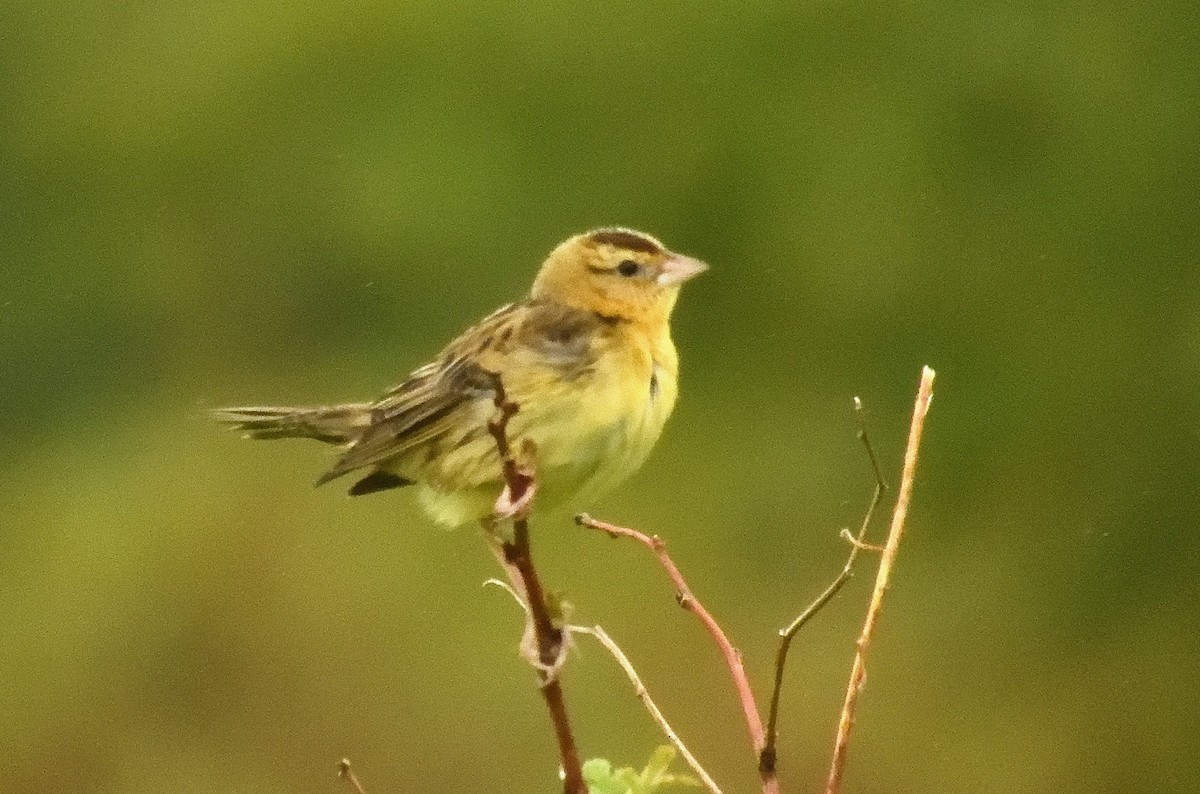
(507, 507)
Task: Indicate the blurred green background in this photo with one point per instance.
(214, 203)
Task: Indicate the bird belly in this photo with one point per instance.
(589, 437)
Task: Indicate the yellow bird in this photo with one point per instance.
(587, 357)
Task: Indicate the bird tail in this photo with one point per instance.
(336, 424)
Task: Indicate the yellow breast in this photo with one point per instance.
(621, 417)
(590, 434)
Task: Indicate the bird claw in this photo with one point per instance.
(506, 507)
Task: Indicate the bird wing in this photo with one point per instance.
(526, 345)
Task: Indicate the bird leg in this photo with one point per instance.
(508, 506)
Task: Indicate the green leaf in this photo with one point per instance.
(598, 774)
(654, 777)
(658, 764)
(629, 779)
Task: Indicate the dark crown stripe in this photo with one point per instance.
(623, 238)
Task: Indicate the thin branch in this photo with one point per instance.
(508, 588)
(767, 758)
(899, 514)
(640, 690)
(733, 657)
(347, 774)
(861, 415)
(517, 561)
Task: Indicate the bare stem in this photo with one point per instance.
(640, 690)
(517, 561)
(347, 774)
(887, 560)
(767, 757)
(733, 657)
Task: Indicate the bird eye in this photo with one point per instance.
(628, 268)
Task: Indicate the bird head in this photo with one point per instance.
(617, 273)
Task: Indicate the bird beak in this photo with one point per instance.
(678, 269)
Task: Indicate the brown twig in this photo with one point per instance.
(899, 514)
(517, 561)
(347, 774)
(733, 657)
(767, 758)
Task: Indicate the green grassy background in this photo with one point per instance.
(212, 203)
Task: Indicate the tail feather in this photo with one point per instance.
(337, 424)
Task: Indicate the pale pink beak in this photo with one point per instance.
(679, 268)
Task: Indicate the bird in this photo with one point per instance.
(586, 358)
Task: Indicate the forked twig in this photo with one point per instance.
(887, 560)
(767, 758)
(347, 774)
(515, 558)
